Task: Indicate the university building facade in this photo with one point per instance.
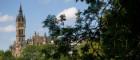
(20, 41)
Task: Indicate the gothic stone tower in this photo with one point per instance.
(20, 32)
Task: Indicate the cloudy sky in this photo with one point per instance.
(35, 12)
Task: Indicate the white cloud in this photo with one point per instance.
(69, 13)
(9, 28)
(5, 18)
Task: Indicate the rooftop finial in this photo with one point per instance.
(20, 9)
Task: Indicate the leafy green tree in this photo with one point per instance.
(61, 33)
(84, 30)
(119, 26)
(6, 55)
(49, 51)
(112, 24)
(31, 52)
(52, 24)
(1, 54)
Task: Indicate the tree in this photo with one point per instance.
(62, 35)
(108, 23)
(31, 52)
(118, 23)
(1, 54)
(84, 30)
(7, 55)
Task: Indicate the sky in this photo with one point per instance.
(35, 12)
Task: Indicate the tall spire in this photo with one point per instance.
(20, 10)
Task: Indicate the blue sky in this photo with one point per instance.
(35, 12)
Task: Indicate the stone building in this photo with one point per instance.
(20, 41)
(37, 39)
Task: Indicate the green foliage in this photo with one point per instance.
(84, 30)
(31, 52)
(118, 34)
(7, 55)
(1, 54)
(41, 52)
(91, 50)
(51, 23)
